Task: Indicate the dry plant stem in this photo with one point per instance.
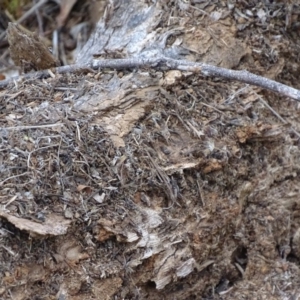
(277, 114)
(166, 63)
(32, 127)
(31, 10)
(27, 14)
(15, 176)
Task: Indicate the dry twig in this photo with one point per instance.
(33, 9)
(166, 63)
(276, 114)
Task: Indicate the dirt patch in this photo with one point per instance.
(158, 184)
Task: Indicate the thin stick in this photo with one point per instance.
(165, 63)
(31, 127)
(27, 14)
(276, 114)
(11, 177)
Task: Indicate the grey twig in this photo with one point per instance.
(166, 63)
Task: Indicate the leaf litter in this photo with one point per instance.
(173, 185)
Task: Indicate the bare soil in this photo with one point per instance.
(145, 184)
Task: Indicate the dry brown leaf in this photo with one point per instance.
(82, 187)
